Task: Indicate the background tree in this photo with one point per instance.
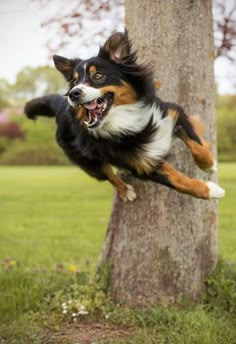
(225, 28)
(225, 35)
(89, 21)
(36, 81)
(30, 82)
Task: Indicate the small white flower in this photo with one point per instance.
(82, 308)
(64, 305)
(83, 312)
(107, 316)
(64, 311)
(69, 302)
(74, 314)
(74, 319)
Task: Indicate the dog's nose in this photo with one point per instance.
(74, 94)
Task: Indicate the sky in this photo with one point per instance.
(21, 37)
(23, 41)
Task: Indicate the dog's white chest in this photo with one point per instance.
(132, 119)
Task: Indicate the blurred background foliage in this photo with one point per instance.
(226, 127)
(23, 142)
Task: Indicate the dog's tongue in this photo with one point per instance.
(91, 105)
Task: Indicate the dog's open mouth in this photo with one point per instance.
(97, 109)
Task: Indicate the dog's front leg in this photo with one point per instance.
(125, 191)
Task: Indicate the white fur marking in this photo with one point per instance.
(124, 119)
(130, 194)
(133, 118)
(162, 140)
(215, 191)
(212, 169)
(88, 94)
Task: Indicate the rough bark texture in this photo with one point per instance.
(163, 244)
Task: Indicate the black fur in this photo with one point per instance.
(91, 152)
(83, 149)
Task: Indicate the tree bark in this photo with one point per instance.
(162, 245)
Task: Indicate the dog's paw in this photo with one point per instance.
(211, 169)
(215, 191)
(129, 194)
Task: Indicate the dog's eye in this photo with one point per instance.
(98, 76)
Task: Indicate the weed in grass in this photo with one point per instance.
(221, 288)
(81, 298)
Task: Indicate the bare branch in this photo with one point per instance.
(225, 29)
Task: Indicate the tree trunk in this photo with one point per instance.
(162, 245)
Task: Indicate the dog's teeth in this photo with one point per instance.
(100, 100)
(89, 120)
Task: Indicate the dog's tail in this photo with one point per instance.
(47, 106)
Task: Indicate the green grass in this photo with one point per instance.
(54, 219)
(227, 212)
(52, 215)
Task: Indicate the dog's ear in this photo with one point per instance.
(118, 48)
(65, 66)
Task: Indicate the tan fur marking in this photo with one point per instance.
(173, 114)
(144, 166)
(184, 184)
(201, 153)
(123, 94)
(76, 76)
(80, 113)
(121, 187)
(92, 70)
(197, 124)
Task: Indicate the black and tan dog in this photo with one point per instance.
(111, 116)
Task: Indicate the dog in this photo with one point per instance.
(111, 116)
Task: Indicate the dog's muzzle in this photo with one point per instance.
(75, 94)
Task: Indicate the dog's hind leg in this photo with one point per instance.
(190, 130)
(168, 176)
(125, 191)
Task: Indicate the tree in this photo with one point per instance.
(85, 16)
(36, 81)
(86, 24)
(164, 244)
(89, 21)
(225, 29)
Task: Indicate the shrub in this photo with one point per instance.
(23, 153)
(38, 147)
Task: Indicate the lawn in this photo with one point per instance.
(51, 215)
(227, 212)
(53, 221)
(58, 214)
